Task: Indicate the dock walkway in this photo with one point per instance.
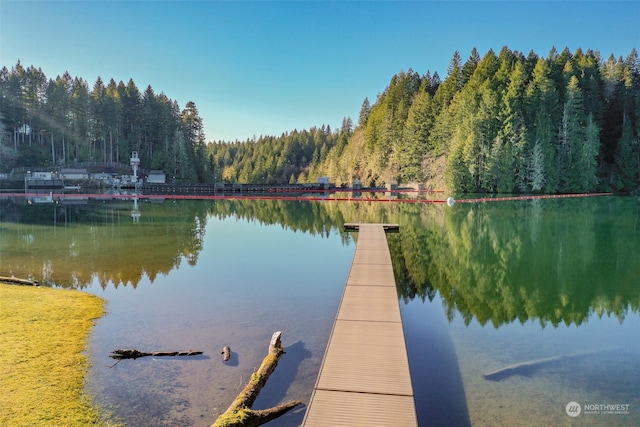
(364, 379)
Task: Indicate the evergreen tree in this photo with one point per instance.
(572, 139)
(542, 103)
(470, 66)
(626, 158)
(452, 83)
(456, 174)
(588, 160)
(131, 117)
(514, 131)
(414, 144)
(13, 110)
(113, 120)
(195, 141)
(80, 120)
(98, 129)
(365, 109)
(613, 114)
(433, 83)
(537, 168)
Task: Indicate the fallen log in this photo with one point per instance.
(240, 414)
(134, 354)
(18, 281)
(529, 367)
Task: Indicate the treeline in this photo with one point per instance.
(502, 123)
(283, 159)
(52, 122)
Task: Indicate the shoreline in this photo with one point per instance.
(43, 365)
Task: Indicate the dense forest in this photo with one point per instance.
(61, 121)
(504, 123)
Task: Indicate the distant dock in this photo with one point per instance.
(364, 379)
(228, 188)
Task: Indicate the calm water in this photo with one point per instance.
(548, 287)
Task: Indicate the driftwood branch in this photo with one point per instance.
(134, 354)
(18, 281)
(240, 414)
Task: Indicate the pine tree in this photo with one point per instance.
(414, 144)
(626, 158)
(80, 113)
(456, 174)
(588, 161)
(131, 116)
(572, 140)
(98, 128)
(542, 103)
(537, 168)
(451, 85)
(514, 131)
(470, 66)
(364, 112)
(113, 119)
(194, 142)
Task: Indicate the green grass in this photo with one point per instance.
(43, 334)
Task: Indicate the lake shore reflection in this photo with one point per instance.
(498, 284)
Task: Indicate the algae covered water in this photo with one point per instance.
(482, 287)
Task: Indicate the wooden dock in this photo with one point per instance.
(364, 379)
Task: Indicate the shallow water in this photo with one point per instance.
(237, 295)
(481, 287)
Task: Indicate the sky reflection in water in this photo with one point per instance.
(481, 287)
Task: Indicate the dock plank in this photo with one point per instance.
(361, 410)
(369, 303)
(364, 379)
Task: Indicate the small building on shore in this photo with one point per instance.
(47, 176)
(157, 177)
(72, 174)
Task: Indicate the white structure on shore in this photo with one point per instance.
(135, 162)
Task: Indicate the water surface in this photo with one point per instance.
(481, 287)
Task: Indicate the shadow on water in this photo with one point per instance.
(275, 392)
(194, 357)
(437, 383)
(234, 359)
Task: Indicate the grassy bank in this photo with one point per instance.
(43, 333)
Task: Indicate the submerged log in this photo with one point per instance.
(524, 368)
(134, 354)
(529, 367)
(240, 414)
(18, 281)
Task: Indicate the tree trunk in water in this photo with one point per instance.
(240, 414)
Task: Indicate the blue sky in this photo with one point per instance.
(267, 67)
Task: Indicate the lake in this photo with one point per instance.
(515, 312)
